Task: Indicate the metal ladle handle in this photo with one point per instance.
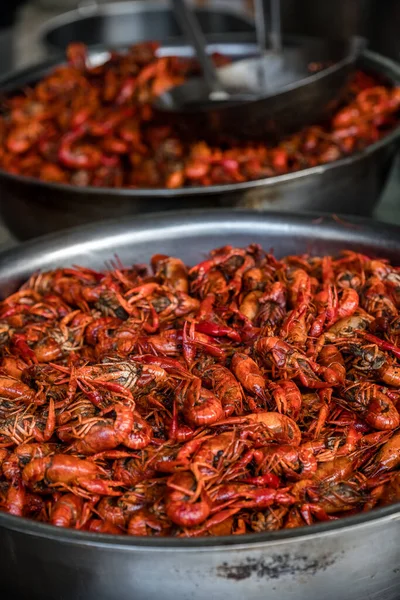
(191, 28)
(276, 27)
(269, 36)
(268, 25)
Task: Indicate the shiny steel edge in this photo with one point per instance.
(120, 8)
(361, 228)
(388, 65)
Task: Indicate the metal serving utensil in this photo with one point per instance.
(213, 90)
(272, 94)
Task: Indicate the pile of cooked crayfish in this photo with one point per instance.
(95, 126)
(243, 394)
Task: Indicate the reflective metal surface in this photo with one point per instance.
(30, 207)
(251, 113)
(125, 23)
(353, 559)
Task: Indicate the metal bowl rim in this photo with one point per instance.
(353, 54)
(222, 189)
(256, 540)
(124, 7)
(134, 543)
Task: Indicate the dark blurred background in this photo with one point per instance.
(378, 20)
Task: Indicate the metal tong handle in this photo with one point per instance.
(276, 27)
(269, 37)
(268, 25)
(191, 28)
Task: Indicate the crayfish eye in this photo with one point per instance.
(217, 456)
(121, 313)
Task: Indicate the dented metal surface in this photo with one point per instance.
(275, 566)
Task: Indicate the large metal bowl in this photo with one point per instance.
(31, 207)
(353, 558)
(124, 23)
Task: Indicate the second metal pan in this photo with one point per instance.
(124, 23)
(31, 207)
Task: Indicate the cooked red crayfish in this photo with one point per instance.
(243, 394)
(94, 126)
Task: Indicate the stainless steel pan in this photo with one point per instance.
(30, 207)
(352, 559)
(123, 23)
